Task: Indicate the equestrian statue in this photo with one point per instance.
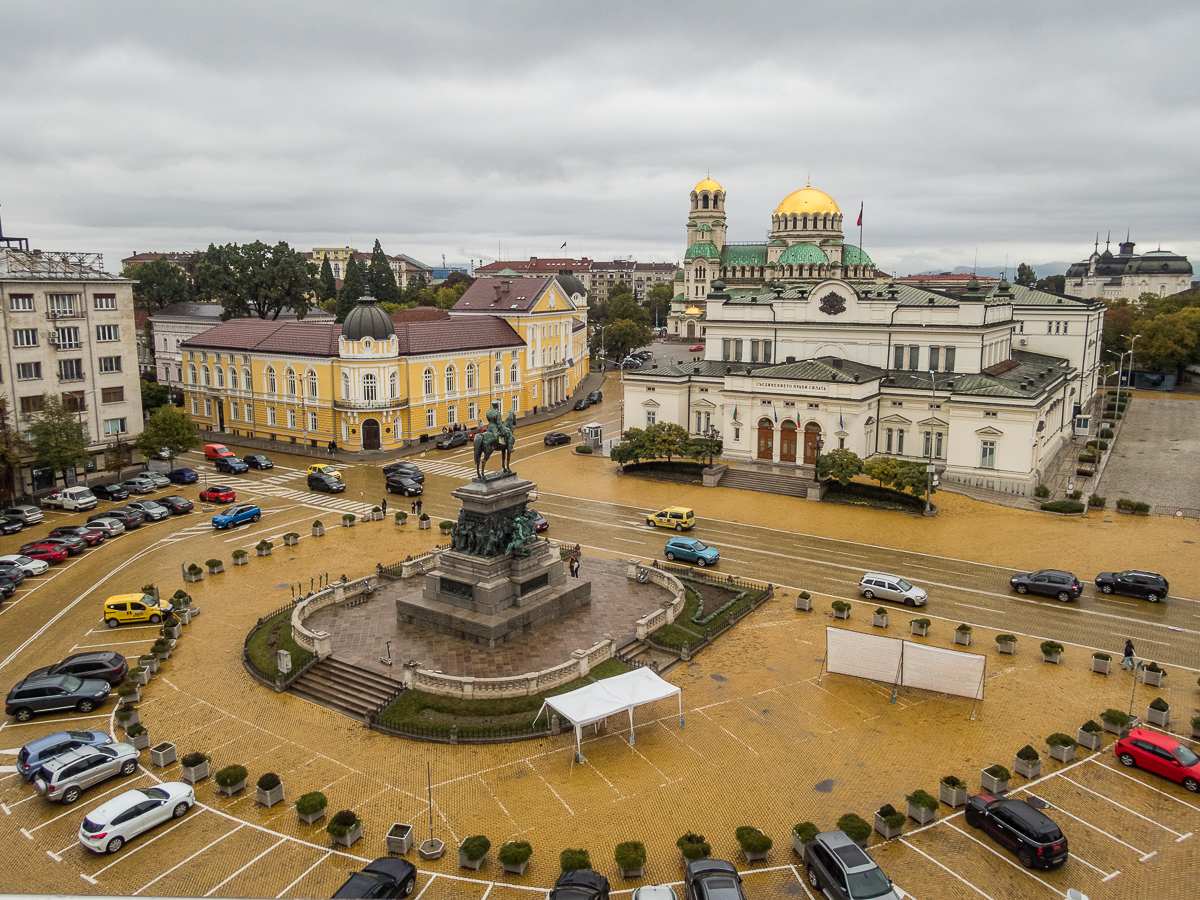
(499, 435)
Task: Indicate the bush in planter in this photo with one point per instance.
(923, 624)
(880, 611)
(891, 818)
(953, 782)
(1091, 726)
(752, 840)
(342, 823)
(268, 781)
(264, 544)
(348, 517)
(446, 525)
(1006, 639)
(1158, 704)
(1196, 723)
(213, 563)
(317, 523)
(515, 853)
(630, 855)
(231, 775)
(475, 847)
(1028, 754)
(401, 517)
(840, 606)
(693, 846)
(1095, 501)
(136, 730)
(1058, 739)
(1051, 648)
(128, 689)
(999, 772)
(194, 569)
(964, 628)
(125, 713)
(424, 517)
(1115, 718)
(922, 799)
(854, 827)
(1107, 657)
(573, 860)
(239, 554)
(1041, 491)
(311, 803)
(1155, 667)
(1064, 506)
(583, 448)
(805, 832)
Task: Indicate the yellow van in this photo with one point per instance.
(677, 517)
(122, 609)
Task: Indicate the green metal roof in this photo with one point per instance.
(703, 227)
(852, 256)
(803, 254)
(778, 242)
(702, 250)
(745, 255)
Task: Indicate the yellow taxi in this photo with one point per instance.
(123, 609)
(677, 517)
(323, 469)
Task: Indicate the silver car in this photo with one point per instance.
(139, 484)
(159, 481)
(150, 509)
(66, 777)
(107, 526)
(891, 587)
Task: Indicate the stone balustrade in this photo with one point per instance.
(320, 642)
(581, 662)
(666, 613)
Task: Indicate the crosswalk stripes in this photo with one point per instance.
(444, 468)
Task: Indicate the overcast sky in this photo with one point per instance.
(1013, 130)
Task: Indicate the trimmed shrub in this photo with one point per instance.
(1064, 506)
(1087, 457)
(1095, 501)
(136, 730)
(1155, 667)
(964, 628)
(694, 846)
(752, 840)
(191, 760)
(212, 562)
(475, 847)
(268, 781)
(806, 831)
(853, 826)
(840, 606)
(194, 569)
(231, 775)
(1158, 704)
(583, 448)
(953, 782)
(1006, 639)
(1028, 754)
(1106, 433)
(890, 816)
(341, 824)
(515, 853)
(1082, 473)
(1058, 739)
(922, 799)
(630, 855)
(311, 803)
(573, 860)
(1041, 491)
(920, 623)
(999, 772)
(1050, 648)
(1115, 717)
(1091, 726)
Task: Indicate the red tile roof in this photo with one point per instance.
(498, 296)
(535, 266)
(420, 314)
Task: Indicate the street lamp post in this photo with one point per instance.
(819, 444)
(1129, 377)
(930, 468)
(712, 435)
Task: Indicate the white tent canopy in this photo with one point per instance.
(610, 696)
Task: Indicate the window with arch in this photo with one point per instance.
(220, 377)
(205, 376)
(429, 381)
(191, 374)
(270, 373)
(496, 374)
(512, 374)
(345, 385)
(394, 385)
(450, 379)
(291, 418)
(247, 383)
(233, 378)
(290, 376)
(471, 377)
(370, 386)
(313, 386)
(704, 201)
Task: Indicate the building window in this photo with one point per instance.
(949, 359)
(766, 351)
(898, 357)
(345, 385)
(937, 445)
(1049, 328)
(472, 412)
(650, 417)
(1065, 327)
(841, 443)
(430, 418)
(104, 301)
(914, 357)
(233, 378)
(108, 333)
(233, 411)
(290, 375)
(205, 377)
(429, 382)
(70, 370)
(737, 349)
(1021, 327)
(451, 415)
(114, 426)
(207, 408)
(32, 404)
(271, 415)
(512, 374)
(935, 354)
(270, 381)
(737, 435)
(313, 387)
(370, 386)
(471, 377)
(249, 412)
(987, 455)
(73, 402)
(112, 395)
(220, 377)
(291, 418)
(497, 375)
(450, 379)
(312, 421)
(62, 305)
(29, 371)
(67, 338)
(754, 351)
(900, 441)
(394, 386)
(726, 343)
(990, 414)
(20, 302)
(888, 447)
(25, 337)
(247, 382)
(195, 407)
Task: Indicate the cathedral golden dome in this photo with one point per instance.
(692, 311)
(807, 200)
(708, 185)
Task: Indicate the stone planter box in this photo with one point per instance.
(992, 785)
(1087, 739)
(1161, 718)
(127, 699)
(841, 614)
(142, 678)
(309, 818)
(1062, 754)
(163, 754)
(1009, 647)
(217, 569)
(755, 857)
(192, 579)
(962, 637)
(431, 849)
(1028, 769)
(149, 662)
(464, 863)
(350, 837)
(797, 845)
(399, 839)
(233, 788)
(425, 524)
(401, 520)
(135, 719)
(1119, 729)
(921, 814)
(1154, 679)
(172, 631)
(141, 741)
(290, 540)
(1195, 733)
(318, 531)
(804, 603)
(633, 873)
(879, 621)
(888, 833)
(241, 560)
(185, 613)
(166, 654)
(952, 797)
(263, 551)
(271, 797)
(192, 774)
(349, 523)
(377, 515)
(919, 630)
(1101, 665)
(1052, 658)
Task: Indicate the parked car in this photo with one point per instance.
(50, 553)
(151, 509)
(1160, 754)
(582, 403)
(595, 397)
(10, 524)
(654, 892)
(66, 777)
(183, 476)
(108, 827)
(554, 438)
(160, 481)
(43, 749)
(1134, 583)
(382, 879)
(237, 515)
(127, 515)
(322, 469)
(841, 870)
(113, 492)
(692, 550)
(232, 465)
(410, 470)
(73, 498)
(699, 348)
(13, 574)
(677, 517)
(712, 879)
(319, 481)
(71, 543)
(1030, 833)
(8, 586)
(106, 664)
(402, 484)
(631, 362)
(218, 451)
(107, 525)
(891, 587)
(257, 461)
(54, 693)
(90, 536)
(30, 515)
(164, 453)
(451, 440)
(218, 493)
(26, 564)
(177, 505)
(126, 609)
(139, 484)
(580, 884)
(1051, 582)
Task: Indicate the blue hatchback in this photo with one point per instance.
(691, 550)
(237, 515)
(183, 476)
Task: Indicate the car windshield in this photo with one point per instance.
(904, 585)
(1185, 756)
(24, 560)
(868, 883)
(155, 793)
(71, 683)
(150, 504)
(699, 545)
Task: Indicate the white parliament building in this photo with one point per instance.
(985, 385)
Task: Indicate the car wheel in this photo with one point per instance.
(1127, 760)
(1192, 785)
(1021, 589)
(974, 819)
(1106, 589)
(671, 556)
(679, 528)
(255, 517)
(70, 795)
(870, 595)
(179, 810)
(813, 880)
(114, 845)
(650, 522)
(24, 714)
(700, 562)
(155, 619)
(408, 886)
(85, 706)
(1025, 857)
(1154, 598)
(1064, 597)
(909, 601)
(390, 490)
(130, 767)
(111, 623)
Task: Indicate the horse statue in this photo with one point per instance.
(499, 435)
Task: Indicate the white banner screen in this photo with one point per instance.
(908, 664)
(947, 671)
(870, 656)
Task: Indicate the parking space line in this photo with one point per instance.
(140, 847)
(995, 852)
(979, 891)
(124, 785)
(1143, 784)
(1126, 808)
(111, 644)
(807, 892)
(1144, 856)
(189, 859)
(245, 867)
(328, 854)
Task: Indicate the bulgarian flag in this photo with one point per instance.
(860, 209)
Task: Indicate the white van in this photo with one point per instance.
(71, 498)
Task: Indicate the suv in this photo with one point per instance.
(66, 777)
(30, 515)
(54, 693)
(231, 464)
(257, 461)
(595, 396)
(401, 483)
(319, 481)
(891, 587)
(236, 515)
(841, 869)
(1019, 827)
(151, 509)
(712, 879)
(677, 517)
(1133, 583)
(139, 484)
(580, 884)
(407, 469)
(106, 664)
(33, 755)
(111, 492)
(1051, 582)
(450, 440)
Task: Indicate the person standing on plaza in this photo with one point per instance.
(414, 507)
(419, 504)
(1127, 661)
(383, 505)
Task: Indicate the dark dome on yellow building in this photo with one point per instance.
(367, 320)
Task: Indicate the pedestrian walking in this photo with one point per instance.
(414, 507)
(573, 567)
(1127, 660)
(383, 505)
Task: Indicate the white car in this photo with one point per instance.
(108, 526)
(111, 825)
(27, 564)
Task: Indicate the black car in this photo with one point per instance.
(177, 505)
(130, 518)
(319, 481)
(451, 440)
(580, 884)
(257, 461)
(13, 573)
(183, 476)
(54, 693)
(582, 403)
(72, 544)
(8, 587)
(595, 396)
(554, 438)
(1014, 824)
(386, 877)
(713, 879)
(231, 464)
(112, 492)
(1134, 583)
(402, 484)
(106, 664)
(407, 469)
(1051, 582)
(10, 525)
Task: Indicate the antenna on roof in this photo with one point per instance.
(1108, 240)
(975, 265)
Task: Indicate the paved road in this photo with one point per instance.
(1156, 456)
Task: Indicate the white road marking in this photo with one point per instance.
(994, 852)
(1126, 808)
(305, 872)
(189, 859)
(979, 891)
(245, 867)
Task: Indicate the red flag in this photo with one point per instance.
(860, 209)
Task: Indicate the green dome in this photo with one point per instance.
(852, 256)
(778, 242)
(507, 271)
(702, 250)
(703, 227)
(678, 275)
(804, 255)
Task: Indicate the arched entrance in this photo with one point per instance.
(812, 435)
(766, 439)
(691, 329)
(787, 443)
(370, 428)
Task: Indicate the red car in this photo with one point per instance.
(1160, 754)
(699, 348)
(51, 553)
(218, 493)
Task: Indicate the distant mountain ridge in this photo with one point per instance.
(1043, 270)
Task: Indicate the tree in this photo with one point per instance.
(622, 336)
(255, 280)
(353, 287)
(57, 436)
(701, 449)
(154, 395)
(662, 440)
(619, 288)
(326, 286)
(911, 477)
(13, 448)
(1118, 326)
(446, 298)
(623, 306)
(1026, 277)
(658, 302)
(841, 465)
(1168, 343)
(1056, 284)
(381, 280)
(158, 284)
(456, 278)
(168, 427)
(882, 468)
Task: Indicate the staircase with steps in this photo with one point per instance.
(347, 689)
(793, 483)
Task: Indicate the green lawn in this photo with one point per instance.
(262, 658)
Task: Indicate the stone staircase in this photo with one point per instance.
(769, 480)
(345, 688)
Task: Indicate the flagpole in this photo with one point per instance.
(860, 212)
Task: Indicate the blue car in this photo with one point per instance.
(237, 515)
(231, 464)
(35, 753)
(183, 476)
(691, 550)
